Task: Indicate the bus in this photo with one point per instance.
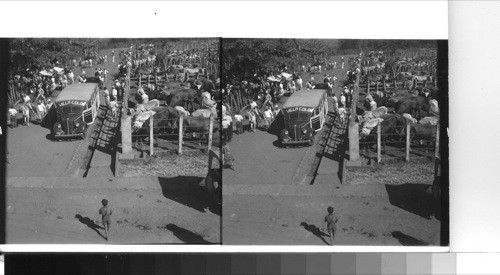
(76, 106)
(304, 114)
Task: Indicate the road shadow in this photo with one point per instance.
(407, 240)
(413, 198)
(186, 190)
(90, 223)
(185, 235)
(315, 230)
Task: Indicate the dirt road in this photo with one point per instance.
(146, 210)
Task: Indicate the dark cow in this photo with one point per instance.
(165, 120)
(413, 105)
(393, 128)
(199, 125)
(424, 133)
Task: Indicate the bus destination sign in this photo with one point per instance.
(302, 109)
(73, 102)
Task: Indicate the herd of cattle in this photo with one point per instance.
(167, 112)
(417, 109)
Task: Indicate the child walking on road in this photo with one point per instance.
(105, 213)
(331, 223)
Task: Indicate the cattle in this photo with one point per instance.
(409, 119)
(199, 125)
(164, 118)
(181, 111)
(206, 113)
(434, 108)
(432, 120)
(392, 128)
(425, 134)
(147, 106)
(413, 105)
(368, 126)
(373, 114)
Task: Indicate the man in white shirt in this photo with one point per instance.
(71, 77)
(227, 128)
(299, 83)
(114, 94)
(41, 110)
(268, 116)
(342, 100)
(13, 117)
(239, 123)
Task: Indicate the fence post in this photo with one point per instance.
(126, 119)
(353, 128)
(379, 142)
(376, 85)
(436, 154)
(210, 132)
(396, 84)
(181, 132)
(408, 126)
(151, 136)
(385, 89)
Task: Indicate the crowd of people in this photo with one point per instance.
(31, 89)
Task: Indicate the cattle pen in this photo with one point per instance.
(405, 145)
(190, 134)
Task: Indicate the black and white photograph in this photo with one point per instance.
(113, 141)
(335, 142)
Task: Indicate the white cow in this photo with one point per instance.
(182, 111)
(409, 119)
(434, 106)
(432, 120)
(369, 125)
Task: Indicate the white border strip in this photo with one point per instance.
(215, 248)
(296, 19)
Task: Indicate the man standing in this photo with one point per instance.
(113, 55)
(299, 83)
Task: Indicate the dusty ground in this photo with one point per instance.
(262, 206)
(169, 164)
(150, 215)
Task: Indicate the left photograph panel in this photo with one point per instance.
(113, 141)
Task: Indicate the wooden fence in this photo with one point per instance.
(403, 148)
(166, 142)
(397, 84)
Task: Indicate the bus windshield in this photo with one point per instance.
(71, 109)
(299, 115)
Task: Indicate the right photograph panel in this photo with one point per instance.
(335, 142)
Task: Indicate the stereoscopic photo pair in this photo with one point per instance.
(226, 141)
